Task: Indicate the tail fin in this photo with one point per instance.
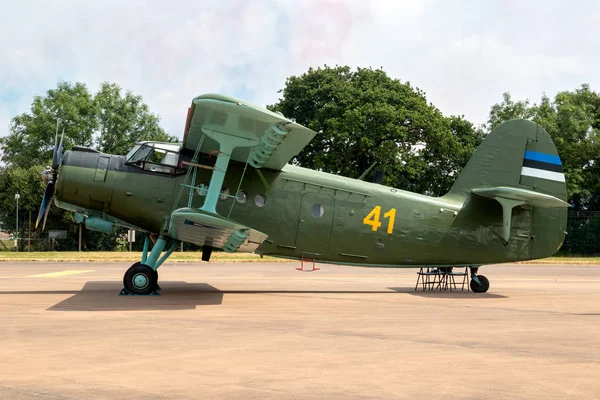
(517, 164)
(517, 153)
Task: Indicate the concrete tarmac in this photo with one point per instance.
(255, 331)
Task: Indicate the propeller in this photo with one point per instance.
(49, 176)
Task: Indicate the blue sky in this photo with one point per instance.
(463, 54)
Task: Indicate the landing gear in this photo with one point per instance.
(142, 277)
(479, 283)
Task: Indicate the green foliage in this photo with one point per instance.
(583, 232)
(573, 121)
(109, 119)
(112, 120)
(364, 116)
(508, 109)
(125, 120)
(31, 137)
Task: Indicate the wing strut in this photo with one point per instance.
(227, 143)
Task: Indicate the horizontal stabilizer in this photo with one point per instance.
(202, 228)
(530, 197)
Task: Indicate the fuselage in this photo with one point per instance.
(308, 213)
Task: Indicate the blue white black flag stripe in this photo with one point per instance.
(543, 166)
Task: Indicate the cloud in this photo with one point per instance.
(463, 54)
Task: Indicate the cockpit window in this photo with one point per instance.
(132, 151)
(141, 155)
(155, 157)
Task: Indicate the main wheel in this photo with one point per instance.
(140, 279)
(482, 286)
(139, 263)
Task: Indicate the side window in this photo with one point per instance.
(242, 197)
(148, 166)
(224, 193)
(156, 156)
(317, 211)
(170, 159)
(141, 154)
(260, 200)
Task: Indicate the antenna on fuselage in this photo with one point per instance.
(362, 177)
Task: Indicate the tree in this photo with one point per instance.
(508, 109)
(111, 121)
(125, 120)
(364, 116)
(31, 137)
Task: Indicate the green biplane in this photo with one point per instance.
(229, 186)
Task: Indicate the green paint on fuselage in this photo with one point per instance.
(451, 230)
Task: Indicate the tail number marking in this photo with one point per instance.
(373, 219)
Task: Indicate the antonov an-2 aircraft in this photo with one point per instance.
(229, 186)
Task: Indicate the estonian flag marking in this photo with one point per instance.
(543, 166)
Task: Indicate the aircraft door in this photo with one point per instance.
(314, 223)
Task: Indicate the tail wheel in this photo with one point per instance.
(140, 279)
(482, 286)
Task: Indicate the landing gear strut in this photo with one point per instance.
(479, 283)
(142, 277)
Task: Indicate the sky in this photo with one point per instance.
(463, 53)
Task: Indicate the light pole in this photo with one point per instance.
(17, 196)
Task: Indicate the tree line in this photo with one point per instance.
(363, 116)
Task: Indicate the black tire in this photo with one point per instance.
(139, 263)
(481, 287)
(140, 279)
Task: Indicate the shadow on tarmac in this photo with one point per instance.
(180, 295)
(103, 296)
(455, 294)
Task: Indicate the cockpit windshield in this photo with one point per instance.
(155, 157)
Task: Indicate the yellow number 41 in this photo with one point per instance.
(372, 219)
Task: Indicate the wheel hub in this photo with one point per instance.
(140, 281)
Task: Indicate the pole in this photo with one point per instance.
(29, 242)
(129, 238)
(17, 233)
(80, 225)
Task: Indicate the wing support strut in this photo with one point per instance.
(227, 143)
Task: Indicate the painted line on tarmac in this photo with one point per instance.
(61, 273)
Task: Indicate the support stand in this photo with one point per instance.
(303, 260)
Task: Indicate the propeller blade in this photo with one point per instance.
(46, 216)
(56, 159)
(55, 143)
(45, 206)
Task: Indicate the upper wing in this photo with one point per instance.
(204, 229)
(279, 139)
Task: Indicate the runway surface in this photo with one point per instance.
(253, 331)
